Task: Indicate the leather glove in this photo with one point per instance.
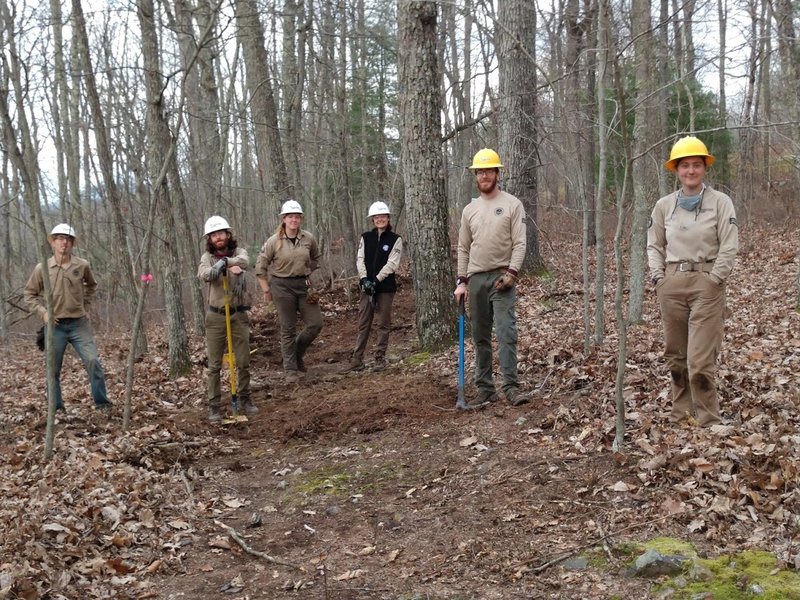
(368, 286)
(40, 338)
(218, 268)
(505, 282)
(238, 288)
(312, 297)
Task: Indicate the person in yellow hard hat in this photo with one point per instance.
(379, 253)
(73, 286)
(284, 265)
(491, 248)
(224, 257)
(692, 242)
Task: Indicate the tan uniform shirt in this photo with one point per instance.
(73, 286)
(492, 235)
(280, 257)
(708, 233)
(216, 289)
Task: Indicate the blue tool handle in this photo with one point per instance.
(461, 346)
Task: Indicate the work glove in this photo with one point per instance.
(238, 289)
(505, 282)
(218, 268)
(368, 286)
(40, 338)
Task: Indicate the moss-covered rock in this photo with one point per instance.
(743, 576)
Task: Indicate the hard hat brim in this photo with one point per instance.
(672, 164)
(490, 166)
(52, 236)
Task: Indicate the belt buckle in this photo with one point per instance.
(683, 264)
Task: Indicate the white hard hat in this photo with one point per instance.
(62, 229)
(378, 208)
(291, 207)
(215, 223)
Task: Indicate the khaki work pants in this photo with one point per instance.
(217, 346)
(290, 297)
(488, 307)
(367, 310)
(692, 309)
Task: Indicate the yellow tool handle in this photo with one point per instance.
(231, 356)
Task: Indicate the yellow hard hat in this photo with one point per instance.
(688, 146)
(486, 159)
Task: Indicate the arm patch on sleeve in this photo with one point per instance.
(732, 221)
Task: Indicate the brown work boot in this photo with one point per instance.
(516, 398)
(355, 364)
(214, 414)
(483, 399)
(301, 365)
(248, 407)
(292, 376)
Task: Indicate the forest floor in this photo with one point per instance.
(370, 485)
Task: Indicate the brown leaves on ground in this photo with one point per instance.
(371, 485)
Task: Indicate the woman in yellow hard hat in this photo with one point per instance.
(692, 242)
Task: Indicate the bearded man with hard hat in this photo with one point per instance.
(73, 286)
(224, 258)
(491, 248)
(283, 268)
(692, 243)
(378, 258)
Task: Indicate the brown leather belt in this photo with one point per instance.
(687, 266)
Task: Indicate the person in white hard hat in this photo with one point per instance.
(73, 286)
(491, 248)
(224, 257)
(379, 253)
(692, 241)
(284, 265)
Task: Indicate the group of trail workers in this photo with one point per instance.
(692, 242)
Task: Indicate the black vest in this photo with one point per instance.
(376, 255)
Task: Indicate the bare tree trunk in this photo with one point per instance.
(25, 162)
(295, 32)
(124, 261)
(159, 155)
(622, 327)
(457, 65)
(747, 137)
(603, 131)
(423, 173)
(269, 150)
(722, 153)
(516, 41)
(6, 250)
(642, 179)
(61, 121)
(343, 192)
(664, 74)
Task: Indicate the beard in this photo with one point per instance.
(487, 187)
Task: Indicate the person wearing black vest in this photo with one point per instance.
(379, 254)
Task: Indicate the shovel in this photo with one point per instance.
(461, 403)
(235, 417)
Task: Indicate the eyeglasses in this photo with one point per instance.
(483, 173)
